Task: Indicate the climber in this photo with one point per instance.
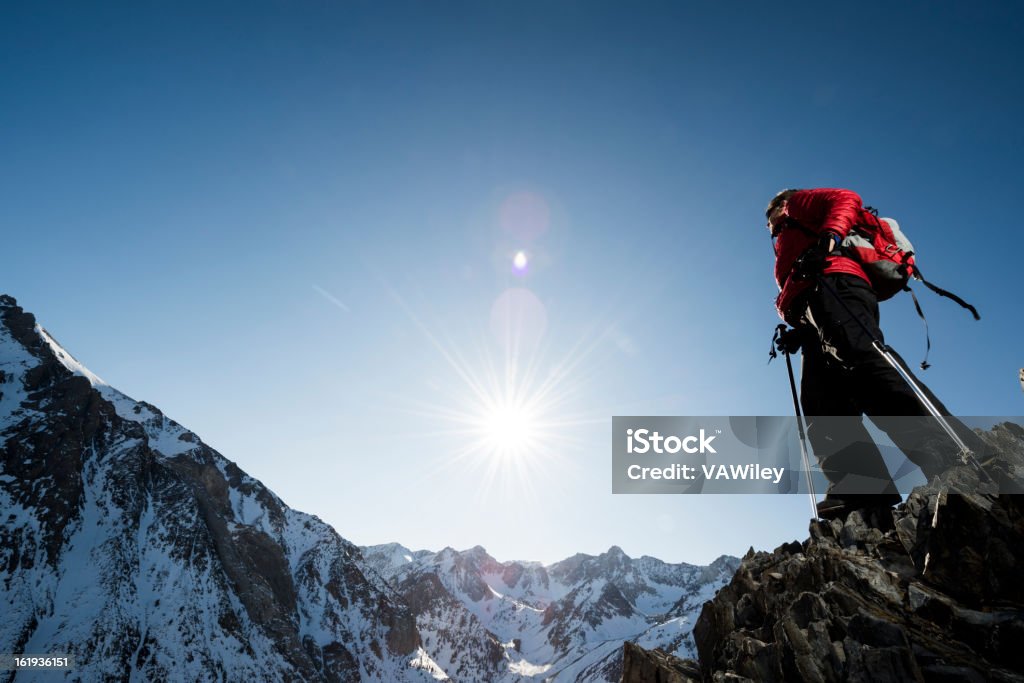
(822, 288)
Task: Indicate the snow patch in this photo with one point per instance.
(423, 662)
(15, 361)
(164, 434)
(67, 360)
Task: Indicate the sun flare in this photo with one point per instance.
(509, 429)
(508, 411)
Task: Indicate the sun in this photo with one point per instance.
(508, 412)
(510, 425)
(509, 428)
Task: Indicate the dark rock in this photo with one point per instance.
(655, 666)
(933, 591)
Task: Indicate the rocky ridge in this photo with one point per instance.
(934, 592)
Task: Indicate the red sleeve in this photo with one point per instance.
(826, 209)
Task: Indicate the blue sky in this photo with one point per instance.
(190, 189)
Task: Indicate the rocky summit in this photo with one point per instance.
(933, 591)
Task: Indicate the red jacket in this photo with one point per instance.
(818, 211)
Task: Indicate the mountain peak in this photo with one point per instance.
(617, 552)
(130, 542)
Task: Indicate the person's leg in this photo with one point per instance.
(916, 432)
(845, 451)
(940, 451)
(879, 389)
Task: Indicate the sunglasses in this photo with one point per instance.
(774, 229)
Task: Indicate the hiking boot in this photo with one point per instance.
(838, 507)
(835, 508)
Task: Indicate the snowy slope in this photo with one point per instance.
(127, 542)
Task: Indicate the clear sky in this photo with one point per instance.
(292, 227)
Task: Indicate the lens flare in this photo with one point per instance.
(524, 215)
(520, 262)
(519, 320)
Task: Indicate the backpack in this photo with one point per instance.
(887, 257)
(884, 252)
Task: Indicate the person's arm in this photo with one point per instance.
(829, 213)
(826, 210)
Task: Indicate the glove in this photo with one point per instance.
(786, 340)
(789, 341)
(810, 263)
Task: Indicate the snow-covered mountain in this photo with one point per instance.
(485, 620)
(128, 543)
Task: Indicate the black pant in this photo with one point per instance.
(843, 377)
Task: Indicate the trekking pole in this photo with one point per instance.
(966, 454)
(803, 438)
(800, 426)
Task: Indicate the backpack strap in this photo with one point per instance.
(920, 313)
(927, 337)
(942, 292)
